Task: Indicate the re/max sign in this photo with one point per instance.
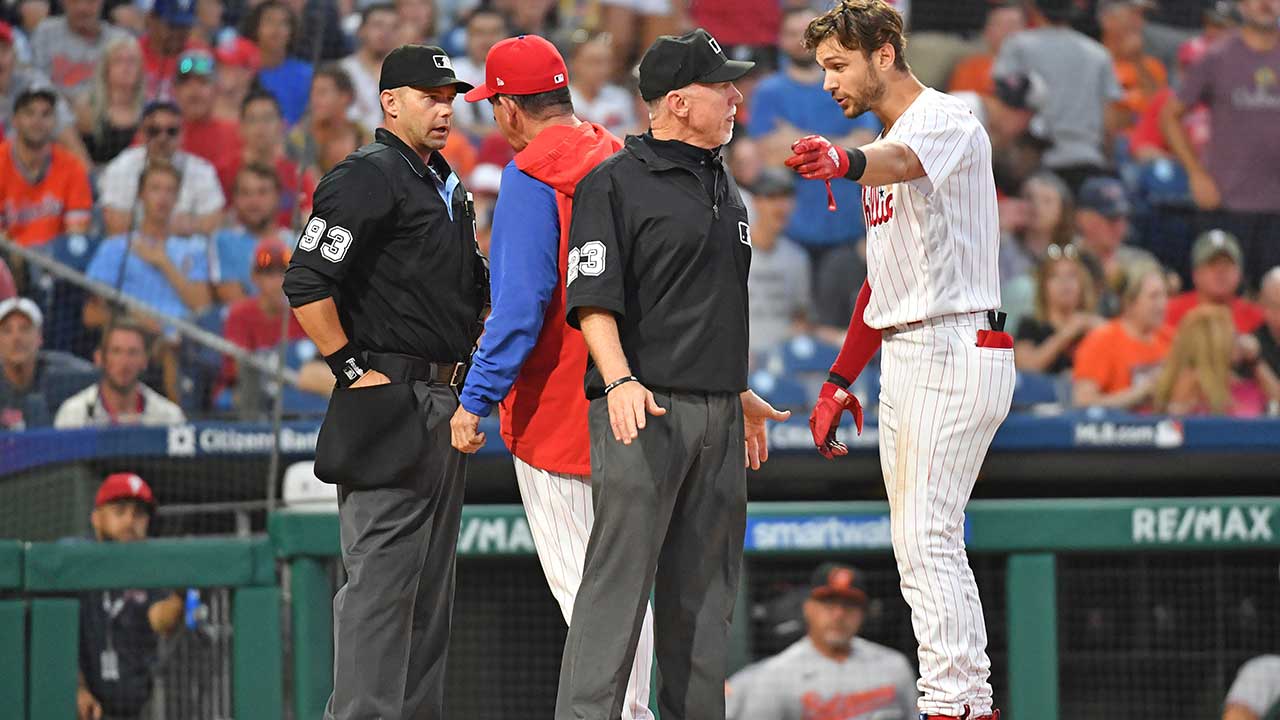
(1218, 523)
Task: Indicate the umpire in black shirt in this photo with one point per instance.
(389, 283)
(657, 281)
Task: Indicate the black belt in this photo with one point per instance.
(408, 368)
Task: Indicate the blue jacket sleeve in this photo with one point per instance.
(524, 271)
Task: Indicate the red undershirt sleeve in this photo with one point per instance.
(860, 342)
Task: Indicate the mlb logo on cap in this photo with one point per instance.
(524, 65)
(715, 45)
(442, 62)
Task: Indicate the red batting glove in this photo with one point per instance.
(833, 400)
(816, 158)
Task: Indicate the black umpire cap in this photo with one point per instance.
(419, 66)
(672, 62)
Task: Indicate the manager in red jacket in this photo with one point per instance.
(530, 363)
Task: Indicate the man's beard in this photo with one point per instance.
(120, 389)
(872, 92)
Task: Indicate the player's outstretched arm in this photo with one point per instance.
(882, 162)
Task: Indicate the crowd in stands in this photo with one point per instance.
(168, 150)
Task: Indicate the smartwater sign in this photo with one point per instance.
(799, 533)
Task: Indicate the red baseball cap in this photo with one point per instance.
(239, 53)
(524, 65)
(125, 486)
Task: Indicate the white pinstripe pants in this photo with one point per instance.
(560, 513)
(941, 400)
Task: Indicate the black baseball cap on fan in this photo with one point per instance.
(672, 62)
(419, 66)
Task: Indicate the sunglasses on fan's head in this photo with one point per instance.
(196, 64)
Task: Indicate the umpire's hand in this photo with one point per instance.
(755, 412)
(628, 405)
(370, 378)
(464, 427)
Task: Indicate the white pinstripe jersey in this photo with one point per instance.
(933, 242)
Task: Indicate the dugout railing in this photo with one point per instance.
(1034, 559)
(1018, 546)
(41, 585)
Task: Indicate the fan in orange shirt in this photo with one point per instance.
(1117, 362)
(44, 189)
(974, 72)
(1141, 76)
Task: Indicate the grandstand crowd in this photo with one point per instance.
(167, 149)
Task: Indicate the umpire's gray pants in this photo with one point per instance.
(391, 620)
(670, 513)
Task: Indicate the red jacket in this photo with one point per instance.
(544, 417)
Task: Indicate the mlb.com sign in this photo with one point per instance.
(1215, 523)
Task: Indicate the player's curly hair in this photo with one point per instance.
(863, 25)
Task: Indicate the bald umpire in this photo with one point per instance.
(659, 249)
(389, 284)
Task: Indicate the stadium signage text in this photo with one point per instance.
(1172, 525)
(1162, 434)
(495, 536)
(824, 532)
(188, 441)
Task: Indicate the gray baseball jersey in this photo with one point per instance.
(873, 683)
(1257, 685)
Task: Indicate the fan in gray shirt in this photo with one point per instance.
(1084, 83)
(830, 674)
(68, 48)
(778, 285)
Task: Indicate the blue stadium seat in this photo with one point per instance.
(62, 301)
(781, 392)
(807, 354)
(1163, 182)
(1034, 389)
(300, 402)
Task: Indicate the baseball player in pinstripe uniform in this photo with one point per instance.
(929, 299)
(530, 362)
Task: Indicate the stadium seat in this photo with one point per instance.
(1163, 182)
(807, 354)
(1034, 389)
(303, 491)
(301, 402)
(62, 301)
(783, 393)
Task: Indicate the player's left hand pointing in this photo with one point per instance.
(464, 428)
(755, 412)
(817, 158)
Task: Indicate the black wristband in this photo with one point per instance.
(837, 380)
(347, 364)
(620, 381)
(857, 164)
